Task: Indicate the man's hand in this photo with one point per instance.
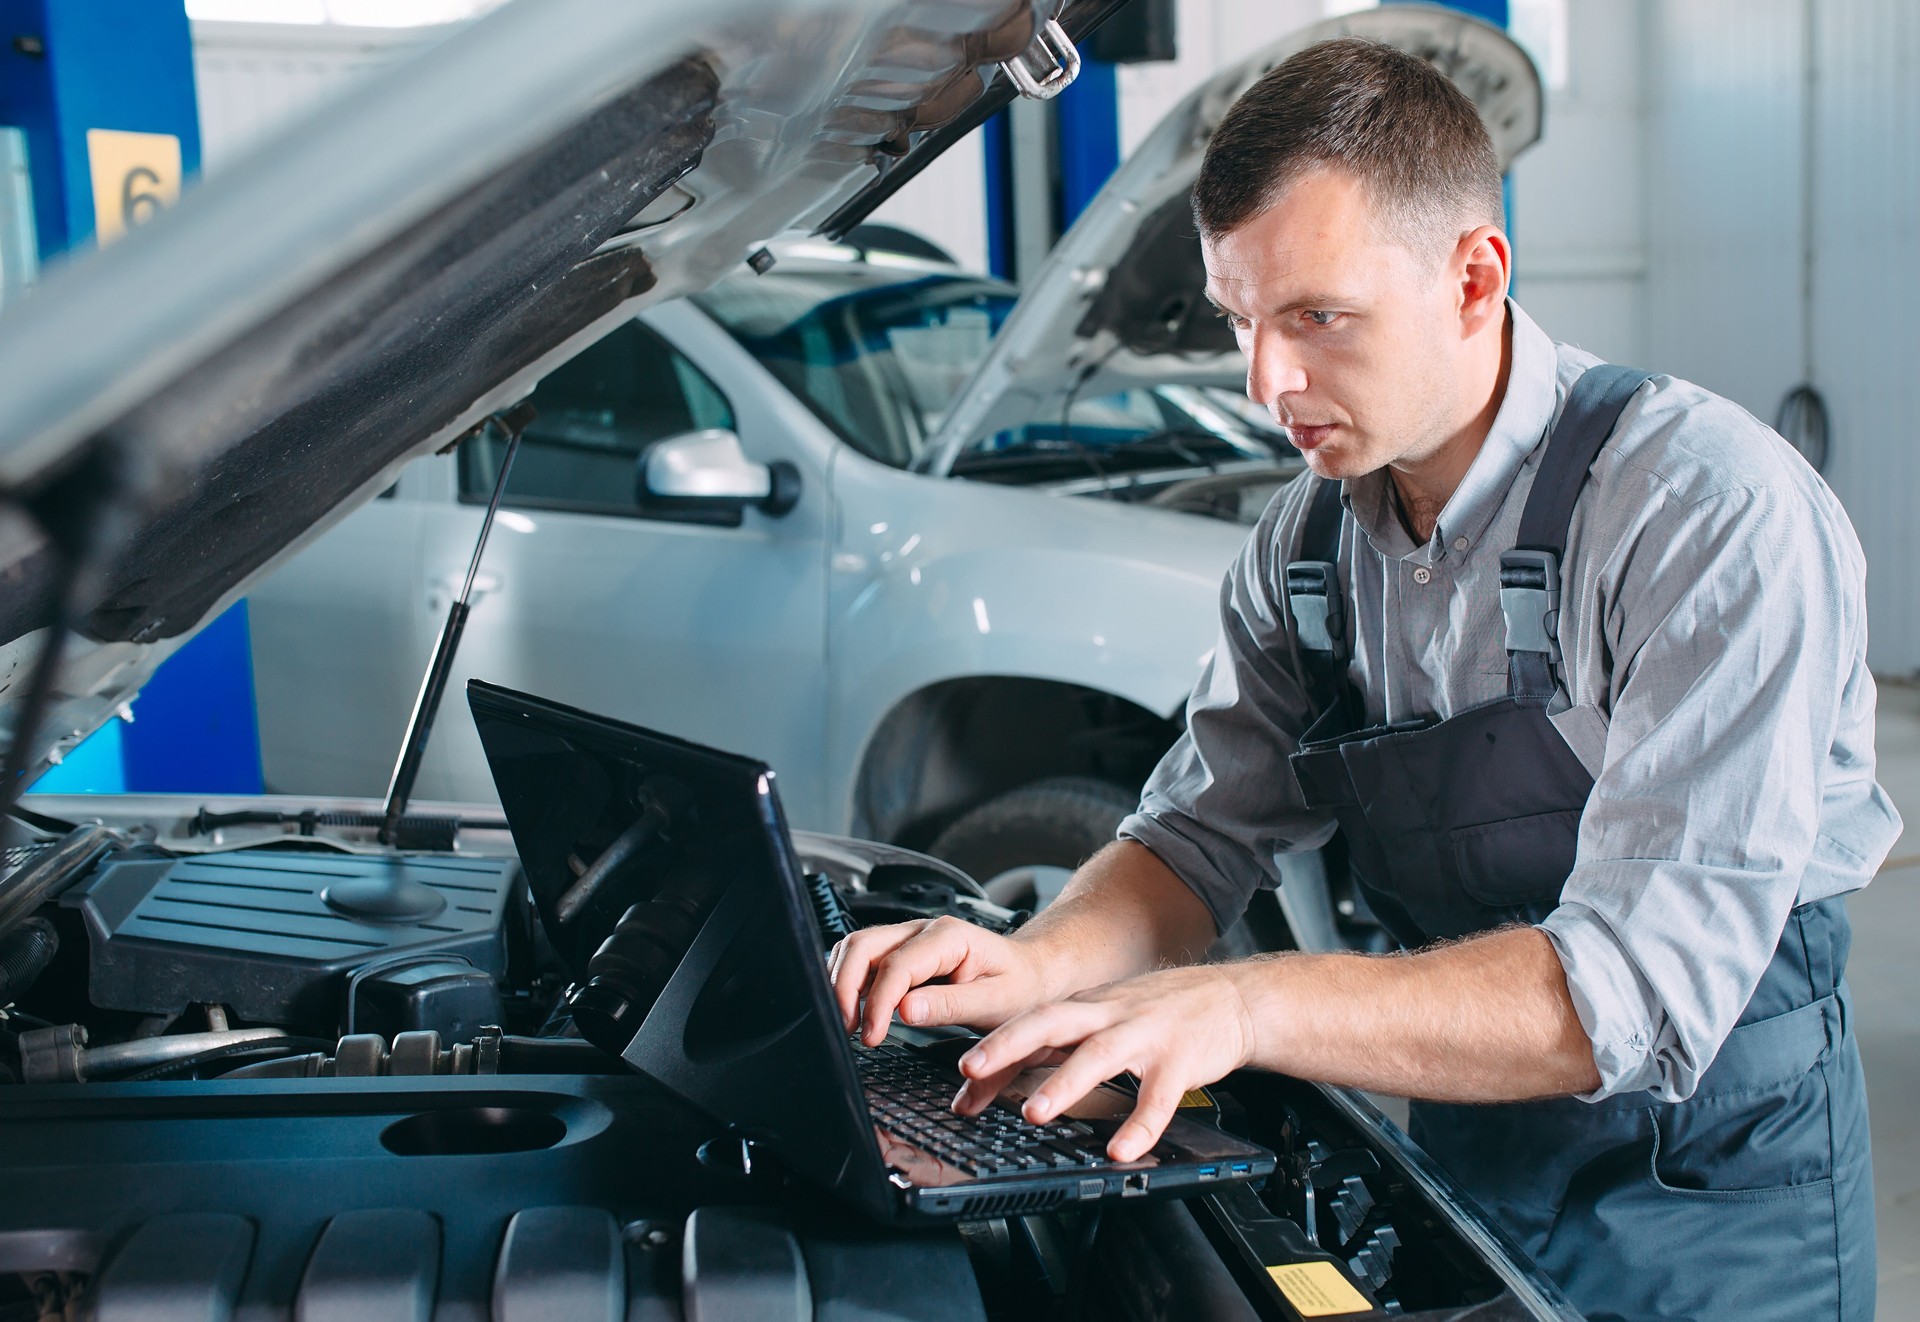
(1488, 1019)
(989, 978)
(1175, 1030)
(1123, 912)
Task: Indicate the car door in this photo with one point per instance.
(681, 619)
(337, 650)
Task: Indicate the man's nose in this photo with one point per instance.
(1274, 369)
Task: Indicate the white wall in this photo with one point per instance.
(1783, 183)
(1579, 209)
(252, 77)
(947, 202)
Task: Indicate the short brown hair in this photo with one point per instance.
(1391, 120)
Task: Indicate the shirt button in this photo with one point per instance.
(1459, 543)
(1422, 575)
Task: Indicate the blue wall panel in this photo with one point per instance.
(194, 728)
(72, 65)
(95, 767)
(68, 66)
(1089, 127)
(1494, 11)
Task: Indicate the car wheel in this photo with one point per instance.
(1024, 844)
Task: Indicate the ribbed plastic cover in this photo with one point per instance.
(252, 929)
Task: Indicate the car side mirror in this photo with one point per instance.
(709, 468)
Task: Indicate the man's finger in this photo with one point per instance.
(1097, 1059)
(1160, 1094)
(974, 1004)
(976, 1095)
(852, 961)
(1059, 1024)
(933, 952)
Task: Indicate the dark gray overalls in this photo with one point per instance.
(1753, 1199)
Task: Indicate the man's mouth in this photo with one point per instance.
(1309, 437)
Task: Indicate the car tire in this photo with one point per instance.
(1021, 845)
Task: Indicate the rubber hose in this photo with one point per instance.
(25, 953)
(187, 1064)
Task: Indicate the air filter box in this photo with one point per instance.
(274, 934)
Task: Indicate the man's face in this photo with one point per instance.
(1352, 339)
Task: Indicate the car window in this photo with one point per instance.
(876, 352)
(1126, 431)
(595, 414)
(1103, 420)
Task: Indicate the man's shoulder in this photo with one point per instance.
(1686, 442)
(1279, 525)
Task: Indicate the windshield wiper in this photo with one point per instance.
(1027, 453)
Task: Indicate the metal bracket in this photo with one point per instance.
(1530, 601)
(1052, 52)
(1313, 594)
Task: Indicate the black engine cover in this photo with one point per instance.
(254, 929)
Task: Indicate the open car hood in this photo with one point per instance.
(189, 407)
(1119, 302)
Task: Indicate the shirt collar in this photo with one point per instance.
(1518, 428)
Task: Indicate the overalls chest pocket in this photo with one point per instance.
(1459, 825)
(1517, 860)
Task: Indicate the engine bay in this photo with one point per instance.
(269, 1065)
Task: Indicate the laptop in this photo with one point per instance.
(688, 924)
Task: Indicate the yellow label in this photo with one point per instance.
(1196, 1097)
(134, 176)
(1317, 1289)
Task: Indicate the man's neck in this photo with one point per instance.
(1424, 486)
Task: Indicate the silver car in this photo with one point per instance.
(967, 614)
(986, 666)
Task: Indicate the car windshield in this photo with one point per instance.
(1129, 431)
(877, 351)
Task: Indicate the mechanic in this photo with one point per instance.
(1613, 841)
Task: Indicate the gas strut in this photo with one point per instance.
(433, 686)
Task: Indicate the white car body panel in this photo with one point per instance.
(829, 616)
(938, 579)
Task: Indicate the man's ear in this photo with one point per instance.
(1483, 265)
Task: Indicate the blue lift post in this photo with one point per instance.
(103, 90)
(1086, 136)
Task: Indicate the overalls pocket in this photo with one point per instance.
(1760, 1127)
(1518, 860)
(1746, 1147)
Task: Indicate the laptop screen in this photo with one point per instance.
(699, 915)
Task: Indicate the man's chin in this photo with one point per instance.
(1335, 464)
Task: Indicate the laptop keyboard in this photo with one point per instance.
(913, 1099)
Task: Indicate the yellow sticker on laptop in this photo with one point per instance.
(1317, 1289)
(1196, 1097)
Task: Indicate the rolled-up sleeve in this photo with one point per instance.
(1736, 622)
(1222, 804)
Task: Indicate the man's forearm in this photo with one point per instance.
(1483, 1020)
(1125, 912)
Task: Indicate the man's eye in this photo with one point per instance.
(1233, 319)
(1321, 318)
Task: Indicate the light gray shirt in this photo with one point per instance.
(1715, 684)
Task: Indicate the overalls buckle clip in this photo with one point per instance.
(1530, 601)
(1313, 594)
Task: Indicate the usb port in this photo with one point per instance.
(1209, 1172)
(1241, 1167)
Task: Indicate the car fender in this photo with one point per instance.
(937, 579)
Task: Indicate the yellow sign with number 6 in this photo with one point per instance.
(134, 176)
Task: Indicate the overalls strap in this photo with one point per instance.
(1316, 599)
(1530, 573)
